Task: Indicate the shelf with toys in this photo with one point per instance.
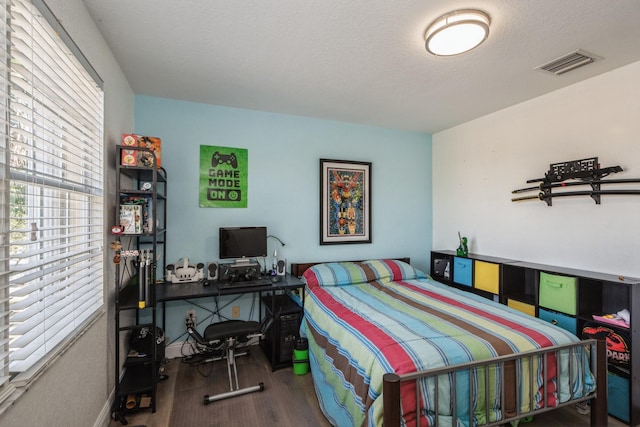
(139, 247)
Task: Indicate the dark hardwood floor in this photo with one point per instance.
(288, 400)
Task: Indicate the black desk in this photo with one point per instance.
(263, 286)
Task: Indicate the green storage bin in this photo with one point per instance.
(558, 292)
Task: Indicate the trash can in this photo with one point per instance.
(301, 356)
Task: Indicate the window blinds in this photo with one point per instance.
(4, 204)
(55, 191)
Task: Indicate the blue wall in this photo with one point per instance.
(284, 153)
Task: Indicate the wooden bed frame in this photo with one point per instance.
(391, 381)
(297, 269)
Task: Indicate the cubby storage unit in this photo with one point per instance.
(137, 373)
(568, 298)
(475, 273)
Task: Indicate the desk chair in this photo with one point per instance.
(227, 335)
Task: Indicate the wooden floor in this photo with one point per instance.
(290, 402)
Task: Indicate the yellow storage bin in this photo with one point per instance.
(487, 276)
(522, 306)
(558, 292)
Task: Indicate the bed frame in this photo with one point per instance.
(392, 381)
(297, 269)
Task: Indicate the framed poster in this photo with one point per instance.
(345, 202)
(223, 177)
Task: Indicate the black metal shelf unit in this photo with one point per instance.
(138, 372)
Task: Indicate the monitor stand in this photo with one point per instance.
(243, 262)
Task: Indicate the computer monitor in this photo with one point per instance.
(243, 242)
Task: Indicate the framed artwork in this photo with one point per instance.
(345, 202)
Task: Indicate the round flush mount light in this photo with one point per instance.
(457, 32)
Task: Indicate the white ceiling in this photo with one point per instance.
(359, 61)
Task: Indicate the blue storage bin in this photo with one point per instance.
(463, 271)
(618, 398)
(567, 323)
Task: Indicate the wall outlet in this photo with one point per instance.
(235, 311)
(190, 317)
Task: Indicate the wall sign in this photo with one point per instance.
(223, 177)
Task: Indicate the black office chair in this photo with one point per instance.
(226, 336)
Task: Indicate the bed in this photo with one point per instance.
(383, 337)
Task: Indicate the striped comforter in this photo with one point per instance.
(365, 319)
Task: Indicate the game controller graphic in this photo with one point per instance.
(228, 159)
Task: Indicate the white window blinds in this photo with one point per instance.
(55, 200)
(4, 203)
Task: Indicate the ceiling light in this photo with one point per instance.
(457, 32)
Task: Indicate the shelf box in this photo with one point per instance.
(522, 306)
(558, 292)
(463, 271)
(567, 323)
(487, 276)
(618, 399)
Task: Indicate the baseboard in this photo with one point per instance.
(104, 417)
(177, 350)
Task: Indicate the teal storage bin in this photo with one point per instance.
(567, 323)
(558, 292)
(618, 398)
(463, 271)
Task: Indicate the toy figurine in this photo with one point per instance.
(463, 249)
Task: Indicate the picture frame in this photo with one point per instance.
(345, 202)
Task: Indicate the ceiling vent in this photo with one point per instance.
(568, 62)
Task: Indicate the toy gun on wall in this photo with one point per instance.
(585, 172)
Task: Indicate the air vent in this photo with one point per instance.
(568, 62)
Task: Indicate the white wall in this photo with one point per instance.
(75, 388)
(478, 164)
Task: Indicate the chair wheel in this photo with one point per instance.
(206, 399)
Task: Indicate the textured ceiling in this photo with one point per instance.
(359, 61)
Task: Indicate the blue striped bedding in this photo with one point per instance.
(365, 319)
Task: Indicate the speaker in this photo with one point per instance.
(170, 269)
(281, 267)
(200, 270)
(212, 271)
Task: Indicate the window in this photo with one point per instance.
(51, 277)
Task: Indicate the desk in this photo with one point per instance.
(263, 286)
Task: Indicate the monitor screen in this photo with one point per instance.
(243, 242)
